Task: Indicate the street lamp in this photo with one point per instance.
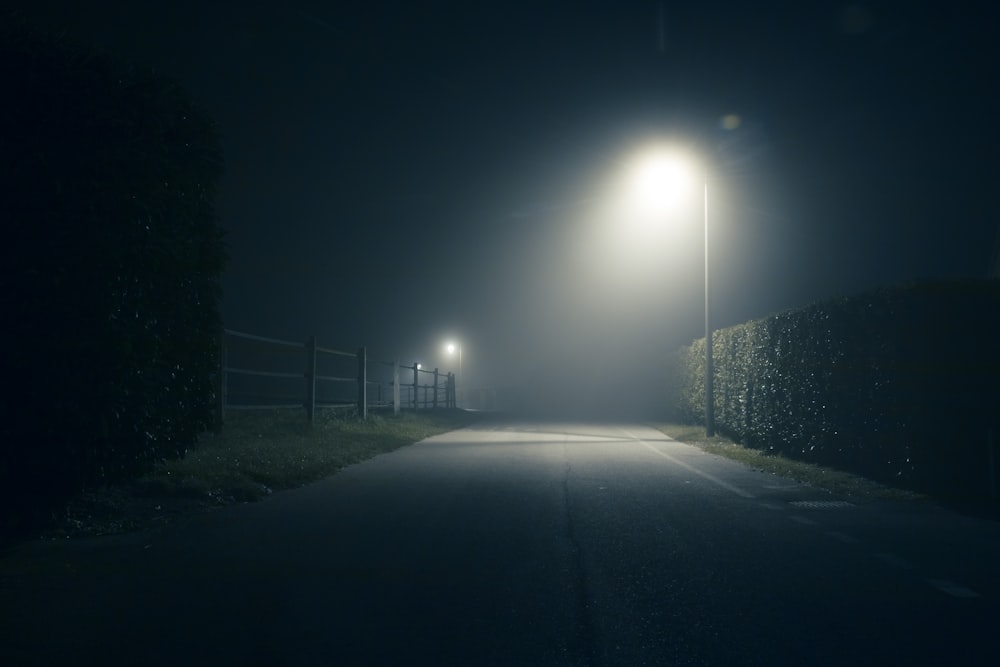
(452, 348)
(659, 179)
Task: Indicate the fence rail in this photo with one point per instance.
(438, 389)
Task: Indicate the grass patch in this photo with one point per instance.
(830, 479)
(257, 453)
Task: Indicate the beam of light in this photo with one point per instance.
(539, 209)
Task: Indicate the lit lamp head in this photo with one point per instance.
(659, 180)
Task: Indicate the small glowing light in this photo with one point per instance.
(451, 348)
(659, 181)
(419, 366)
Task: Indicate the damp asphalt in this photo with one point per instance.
(521, 543)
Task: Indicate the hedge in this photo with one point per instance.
(900, 384)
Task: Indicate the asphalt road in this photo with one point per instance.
(521, 544)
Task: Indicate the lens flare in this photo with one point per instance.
(730, 121)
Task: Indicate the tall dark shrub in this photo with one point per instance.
(109, 270)
(899, 384)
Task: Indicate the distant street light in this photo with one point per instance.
(452, 348)
(659, 179)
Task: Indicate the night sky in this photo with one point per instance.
(398, 173)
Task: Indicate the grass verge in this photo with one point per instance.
(835, 481)
(256, 454)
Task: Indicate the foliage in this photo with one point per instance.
(816, 476)
(257, 453)
(900, 384)
(110, 272)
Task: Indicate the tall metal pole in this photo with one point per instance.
(395, 387)
(459, 374)
(709, 388)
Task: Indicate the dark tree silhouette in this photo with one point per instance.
(109, 270)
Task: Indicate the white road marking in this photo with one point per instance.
(701, 473)
(944, 585)
(953, 589)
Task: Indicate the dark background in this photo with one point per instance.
(401, 173)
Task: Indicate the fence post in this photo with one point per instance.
(362, 383)
(451, 390)
(416, 386)
(395, 387)
(220, 383)
(434, 401)
(311, 379)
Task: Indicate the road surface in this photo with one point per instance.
(530, 543)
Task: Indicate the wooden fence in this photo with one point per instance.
(363, 383)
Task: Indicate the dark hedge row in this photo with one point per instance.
(902, 385)
(109, 271)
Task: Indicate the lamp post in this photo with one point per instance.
(709, 374)
(659, 177)
(452, 348)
